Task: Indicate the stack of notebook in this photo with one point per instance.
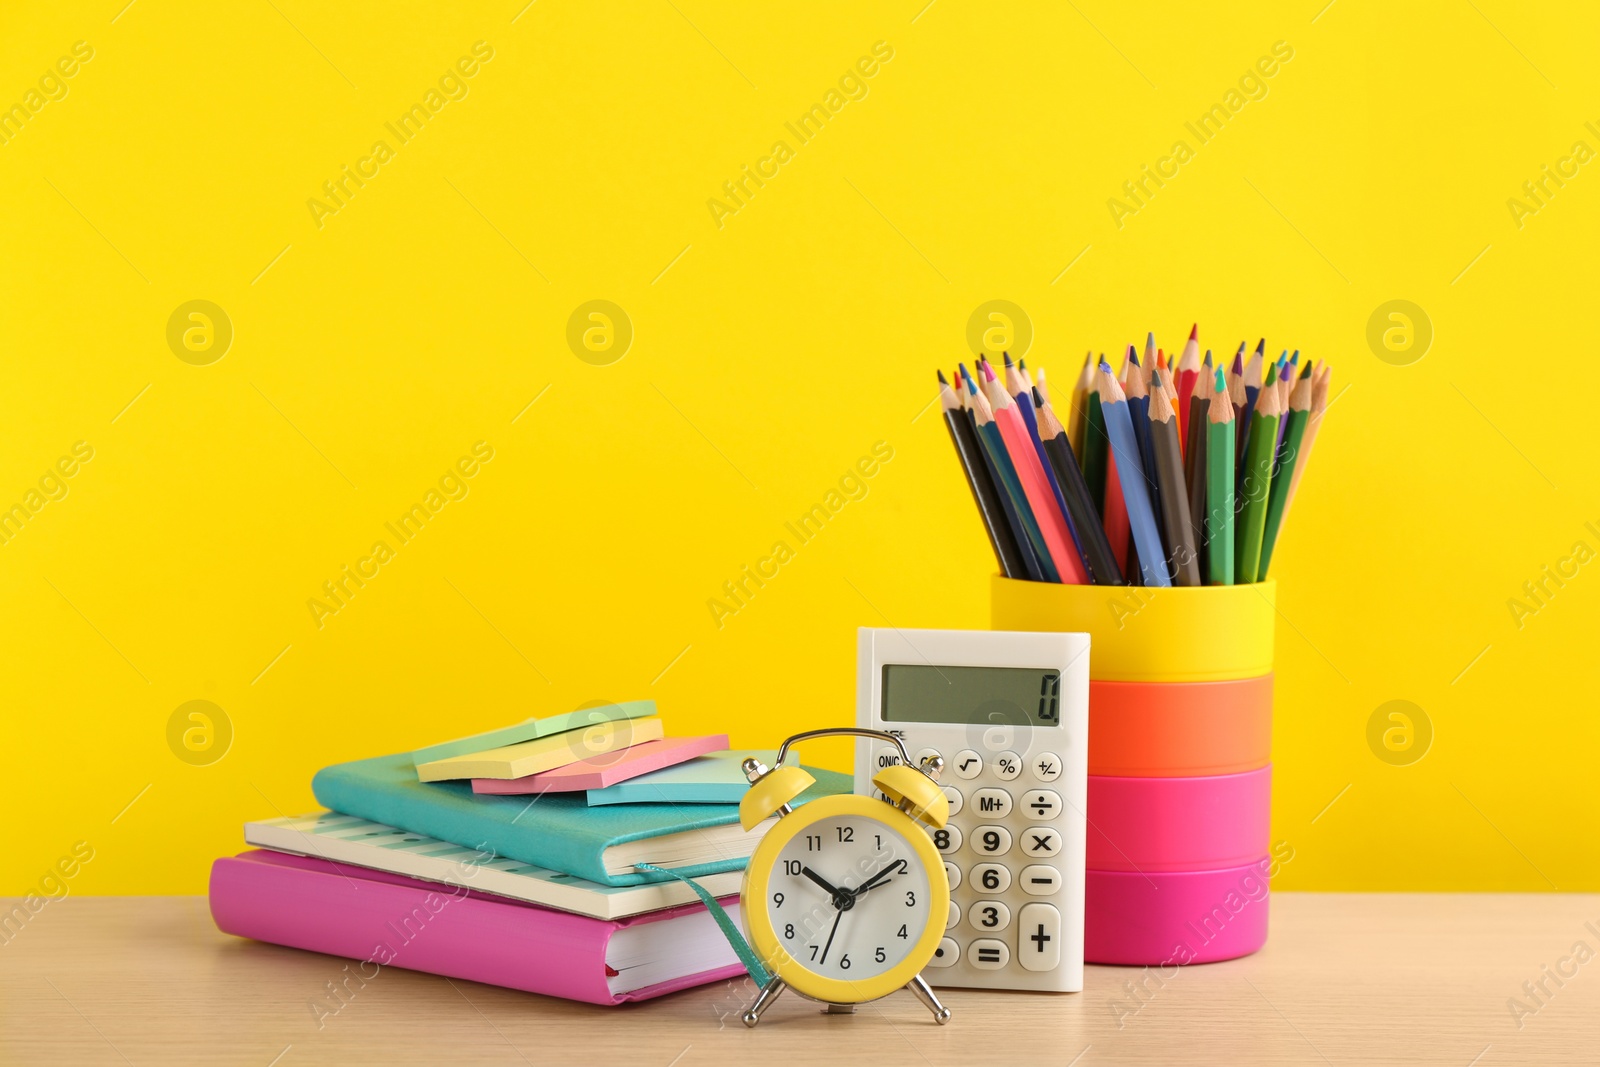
(511, 858)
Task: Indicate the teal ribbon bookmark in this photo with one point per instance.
(741, 947)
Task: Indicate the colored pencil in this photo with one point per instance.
(1319, 405)
(1219, 485)
(994, 444)
(1251, 377)
(1188, 375)
(1022, 394)
(1130, 470)
(1052, 522)
(1101, 561)
(1194, 456)
(1148, 363)
(1182, 567)
(963, 435)
(1138, 398)
(1093, 455)
(1283, 466)
(1168, 381)
(1114, 515)
(1078, 411)
(1255, 483)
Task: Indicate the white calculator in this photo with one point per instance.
(1009, 714)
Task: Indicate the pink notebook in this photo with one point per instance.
(608, 768)
(386, 919)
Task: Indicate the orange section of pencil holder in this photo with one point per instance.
(1179, 729)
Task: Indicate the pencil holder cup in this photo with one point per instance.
(1180, 736)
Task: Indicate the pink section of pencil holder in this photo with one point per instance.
(1178, 824)
(1166, 920)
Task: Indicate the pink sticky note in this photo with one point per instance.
(608, 768)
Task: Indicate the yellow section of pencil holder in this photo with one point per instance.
(1208, 633)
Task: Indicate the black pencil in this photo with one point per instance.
(969, 452)
(1194, 456)
(1178, 532)
(1097, 555)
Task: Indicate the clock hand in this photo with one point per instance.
(817, 878)
(837, 916)
(878, 879)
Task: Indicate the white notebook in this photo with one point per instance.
(346, 839)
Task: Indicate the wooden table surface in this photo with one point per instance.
(1345, 978)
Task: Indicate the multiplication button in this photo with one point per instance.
(989, 954)
(1041, 805)
(1040, 841)
(1038, 880)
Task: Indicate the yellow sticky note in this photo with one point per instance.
(543, 753)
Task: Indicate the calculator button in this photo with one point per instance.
(953, 795)
(989, 916)
(954, 916)
(952, 874)
(946, 954)
(1039, 937)
(1041, 841)
(989, 954)
(888, 756)
(947, 838)
(995, 803)
(991, 877)
(1046, 767)
(1041, 804)
(991, 840)
(1006, 765)
(926, 753)
(968, 764)
(1038, 880)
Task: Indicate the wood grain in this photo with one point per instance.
(1345, 978)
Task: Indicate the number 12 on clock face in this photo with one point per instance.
(848, 898)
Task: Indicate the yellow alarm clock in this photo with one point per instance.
(845, 899)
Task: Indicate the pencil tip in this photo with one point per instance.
(1038, 401)
(1104, 366)
(1222, 383)
(1261, 346)
(1305, 372)
(1007, 357)
(1194, 332)
(1238, 361)
(1208, 357)
(940, 373)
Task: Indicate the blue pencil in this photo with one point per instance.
(1138, 396)
(1130, 471)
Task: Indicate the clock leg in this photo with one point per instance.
(941, 1014)
(764, 1001)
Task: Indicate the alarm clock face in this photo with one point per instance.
(849, 898)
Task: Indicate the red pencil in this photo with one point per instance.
(1188, 374)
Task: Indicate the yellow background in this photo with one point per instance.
(768, 356)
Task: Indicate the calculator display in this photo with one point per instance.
(983, 696)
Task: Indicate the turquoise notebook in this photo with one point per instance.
(555, 830)
(714, 778)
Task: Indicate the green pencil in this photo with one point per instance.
(1095, 450)
(1283, 466)
(1255, 483)
(1219, 485)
